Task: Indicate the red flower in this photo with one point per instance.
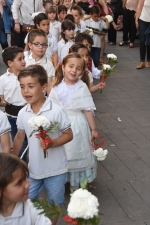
(70, 220)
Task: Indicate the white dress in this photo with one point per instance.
(74, 99)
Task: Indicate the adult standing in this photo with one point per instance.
(22, 11)
(142, 21)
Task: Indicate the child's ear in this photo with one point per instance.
(44, 88)
(30, 45)
(10, 63)
(37, 26)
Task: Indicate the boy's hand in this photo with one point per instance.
(101, 85)
(46, 145)
(17, 27)
(94, 134)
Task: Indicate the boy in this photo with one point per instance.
(87, 40)
(77, 13)
(10, 91)
(97, 25)
(51, 171)
(38, 44)
(62, 12)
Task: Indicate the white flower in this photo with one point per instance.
(100, 154)
(106, 66)
(34, 15)
(110, 18)
(83, 205)
(39, 121)
(89, 31)
(111, 56)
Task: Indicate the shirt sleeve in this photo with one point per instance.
(103, 25)
(26, 39)
(19, 123)
(1, 86)
(4, 124)
(63, 120)
(55, 45)
(15, 8)
(50, 69)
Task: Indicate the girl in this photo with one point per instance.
(73, 95)
(55, 2)
(83, 51)
(15, 208)
(76, 11)
(68, 4)
(55, 25)
(41, 22)
(67, 39)
(4, 133)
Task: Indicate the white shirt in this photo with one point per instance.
(10, 89)
(44, 61)
(100, 24)
(25, 214)
(63, 48)
(56, 162)
(23, 9)
(145, 14)
(4, 126)
(81, 28)
(52, 46)
(55, 29)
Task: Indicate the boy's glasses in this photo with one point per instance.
(37, 44)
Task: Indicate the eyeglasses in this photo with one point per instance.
(37, 44)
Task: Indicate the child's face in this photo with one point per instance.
(69, 34)
(38, 46)
(51, 16)
(44, 26)
(55, 2)
(87, 44)
(31, 89)
(17, 190)
(18, 63)
(67, 3)
(76, 15)
(95, 17)
(72, 70)
(48, 4)
(62, 15)
(84, 54)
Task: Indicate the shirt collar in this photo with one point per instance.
(9, 73)
(46, 106)
(42, 60)
(18, 211)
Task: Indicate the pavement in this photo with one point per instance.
(123, 119)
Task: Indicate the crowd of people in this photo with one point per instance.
(55, 53)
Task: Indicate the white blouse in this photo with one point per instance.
(145, 14)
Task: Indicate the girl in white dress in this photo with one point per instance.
(15, 207)
(73, 95)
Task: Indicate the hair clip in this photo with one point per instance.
(60, 63)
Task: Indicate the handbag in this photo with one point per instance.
(27, 27)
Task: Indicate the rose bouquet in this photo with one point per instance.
(112, 59)
(110, 18)
(100, 154)
(42, 125)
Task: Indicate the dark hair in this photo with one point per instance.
(66, 25)
(95, 9)
(84, 36)
(52, 9)
(8, 165)
(10, 53)
(62, 8)
(34, 33)
(76, 47)
(35, 71)
(39, 18)
(59, 73)
(45, 2)
(78, 8)
(70, 17)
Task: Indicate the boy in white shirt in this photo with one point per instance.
(97, 25)
(38, 44)
(50, 171)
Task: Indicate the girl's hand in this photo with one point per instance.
(94, 134)
(17, 27)
(136, 23)
(101, 85)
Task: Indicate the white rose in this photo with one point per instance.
(110, 18)
(106, 66)
(100, 154)
(39, 121)
(83, 205)
(112, 56)
(34, 15)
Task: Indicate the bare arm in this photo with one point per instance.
(66, 137)
(91, 121)
(5, 142)
(49, 86)
(138, 11)
(104, 6)
(99, 86)
(18, 141)
(55, 55)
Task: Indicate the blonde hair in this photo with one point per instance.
(59, 73)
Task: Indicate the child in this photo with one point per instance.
(51, 171)
(55, 2)
(5, 128)
(73, 95)
(87, 40)
(55, 26)
(10, 91)
(15, 208)
(46, 4)
(67, 39)
(62, 12)
(67, 3)
(38, 45)
(97, 25)
(84, 52)
(70, 17)
(41, 22)
(76, 11)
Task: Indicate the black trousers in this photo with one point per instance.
(129, 28)
(19, 38)
(112, 33)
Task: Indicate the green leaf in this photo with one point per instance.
(53, 127)
(84, 184)
(33, 132)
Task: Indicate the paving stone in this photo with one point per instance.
(127, 223)
(147, 222)
(144, 154)
(139, 118)
(108, 121)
